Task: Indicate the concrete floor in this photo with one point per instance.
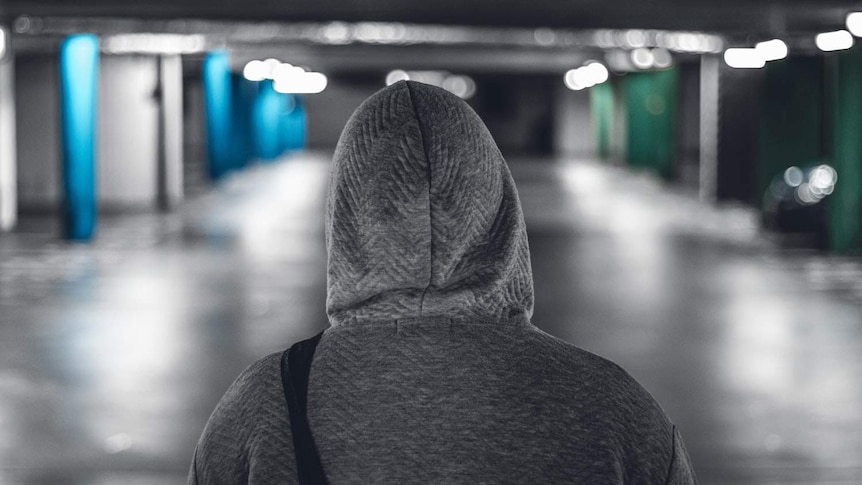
(112, 355)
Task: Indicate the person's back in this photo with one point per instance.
(431, 371)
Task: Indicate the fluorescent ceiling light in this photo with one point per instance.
(834, 41)
(255, 71)
(153, 44)
(744, 58)
(586, 76)
(772, 50)
(854, 23)
(300, 82)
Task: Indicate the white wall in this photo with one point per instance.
(127, 144)
(573, 127)
(127, 136)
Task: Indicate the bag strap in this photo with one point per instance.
(295, 367)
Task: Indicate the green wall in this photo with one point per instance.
(650, 99)
(790, 128)
(845, 204)
(799, 96)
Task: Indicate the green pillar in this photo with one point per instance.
(602, 110)
(790, 128)
(650, 99)
(845, 203)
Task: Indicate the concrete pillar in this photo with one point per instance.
(602, 107)
(8, 178)
(619, 127)
(688, 125)
(170, 168)
(708, 166)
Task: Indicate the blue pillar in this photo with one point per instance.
(79, 65)
(244, 96)
(268, 109)
(217, 99)
(293, 123)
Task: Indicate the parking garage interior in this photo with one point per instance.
(691, 176)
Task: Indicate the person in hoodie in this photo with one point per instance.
(431, 370)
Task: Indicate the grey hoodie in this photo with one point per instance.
(431, 371)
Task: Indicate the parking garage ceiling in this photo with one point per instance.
(730, 17)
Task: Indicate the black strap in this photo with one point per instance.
(295, 367)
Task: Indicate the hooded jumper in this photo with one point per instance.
(431, 371)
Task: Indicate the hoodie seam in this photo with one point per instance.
(399, 322)
(401, 328)
(423, 137)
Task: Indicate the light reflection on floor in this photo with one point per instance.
(112, 355)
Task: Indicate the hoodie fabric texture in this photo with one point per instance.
(431, 371)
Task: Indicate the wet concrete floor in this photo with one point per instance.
(113, 354)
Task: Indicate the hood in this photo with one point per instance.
(422, 215)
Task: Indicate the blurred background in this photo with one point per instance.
(691, 174)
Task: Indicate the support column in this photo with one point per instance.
(79, 65)
(170, 177)
(708, 166)
(619, 125)
(845, 203)
(8, 176)
(602, 110)
(266, 114)
(650, 99)
(293, 124)
(243, 96)
(218, 102)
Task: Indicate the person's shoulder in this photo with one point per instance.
(249, 422)
(569, 355)
(601, 393)
(608, 384)
(256, 388)
(258, 377)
